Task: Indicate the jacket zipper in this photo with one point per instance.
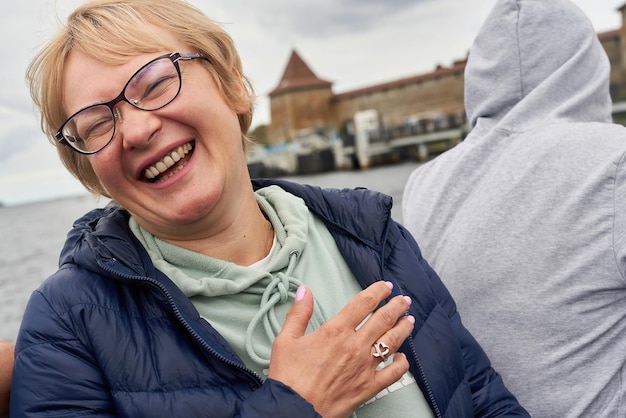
(420, 368)
(429, 390)
(179, 316)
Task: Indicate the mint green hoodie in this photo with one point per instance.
(247, 304)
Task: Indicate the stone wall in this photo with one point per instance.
(294, 111)
(438, 92)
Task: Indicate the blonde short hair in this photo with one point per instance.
(112, 31)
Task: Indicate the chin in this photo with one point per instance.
(191, 210)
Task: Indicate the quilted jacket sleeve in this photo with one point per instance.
(74, 386)
(276, 400)
(56, 375)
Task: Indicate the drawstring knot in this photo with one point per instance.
(280, 290)
(283, 282)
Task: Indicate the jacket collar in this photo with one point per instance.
(103, 235)
(363, 214)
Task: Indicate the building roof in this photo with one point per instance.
(609, 35)
(457, 68)
(298, 76)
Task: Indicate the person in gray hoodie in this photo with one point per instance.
(525, 220)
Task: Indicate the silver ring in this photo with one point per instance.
(382, 350)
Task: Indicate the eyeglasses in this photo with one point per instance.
(152, 87)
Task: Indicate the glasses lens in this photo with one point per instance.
(154, 86)
(90, 129)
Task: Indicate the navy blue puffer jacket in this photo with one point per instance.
(109, 335)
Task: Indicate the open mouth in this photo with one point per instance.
(169, 165)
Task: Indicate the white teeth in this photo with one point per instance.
(161, 167)
(167, 162)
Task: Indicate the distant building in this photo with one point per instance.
(302, 101)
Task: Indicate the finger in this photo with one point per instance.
(393, 338)
(299, 315)
(385, 318)
(364, 303)
(393, 372)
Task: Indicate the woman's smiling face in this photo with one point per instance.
(198, 132)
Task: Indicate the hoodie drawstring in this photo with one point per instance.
(280, 290)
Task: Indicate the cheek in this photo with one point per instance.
(106, 167)
(98, 163)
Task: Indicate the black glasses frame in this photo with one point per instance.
(174, 57)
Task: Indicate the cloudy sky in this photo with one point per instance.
(353, 43)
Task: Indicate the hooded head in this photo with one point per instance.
(534, 60)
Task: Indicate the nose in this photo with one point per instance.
(136, 127)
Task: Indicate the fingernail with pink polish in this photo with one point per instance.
(408, 299)
(300, 293)
(411, 318)
(389, 285)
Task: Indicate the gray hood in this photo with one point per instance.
(534, 60)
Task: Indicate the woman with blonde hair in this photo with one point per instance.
(192, 294)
